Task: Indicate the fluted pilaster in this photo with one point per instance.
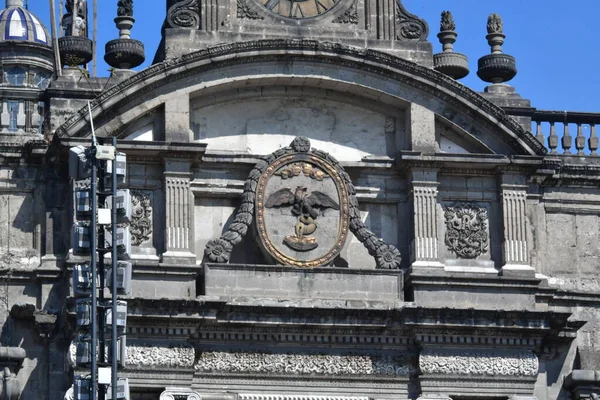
(179, 209)
(424, 249)
(514, 209)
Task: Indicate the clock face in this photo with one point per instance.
(299, 9)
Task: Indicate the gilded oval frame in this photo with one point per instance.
(343, 196)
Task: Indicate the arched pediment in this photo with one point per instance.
(382, 80)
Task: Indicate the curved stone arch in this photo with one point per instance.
(358, 68)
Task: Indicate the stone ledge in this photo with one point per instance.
(235, 280)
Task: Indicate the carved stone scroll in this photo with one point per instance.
(472, 362)
(300, 364)
(184, 14)
(219, 250)
(466, 230)
(409, 26)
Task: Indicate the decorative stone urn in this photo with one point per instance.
(75, 50)
(455, 65)
(496, 67)
(124, 52)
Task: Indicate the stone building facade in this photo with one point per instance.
(321, 211)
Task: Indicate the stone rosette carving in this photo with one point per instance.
(253, 202)
(466, 230)
(218, 250)
(184, 14)
(350, 16)
(159, 357)
(301, 364)
(409, 26)
(141, 218)
(244, 11)
(467, 362)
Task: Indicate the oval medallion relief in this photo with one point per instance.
(302, 210)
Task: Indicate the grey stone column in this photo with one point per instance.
(179, 213)
(424, 246)
(420, 125)
(515, 248)
(177, 119)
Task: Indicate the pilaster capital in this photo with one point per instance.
(177, 166)
(420, 176)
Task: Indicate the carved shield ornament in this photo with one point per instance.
(466, 230)
(302, 210)
(303, 205)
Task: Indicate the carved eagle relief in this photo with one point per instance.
(304, 207)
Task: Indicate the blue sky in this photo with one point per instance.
(556, 44)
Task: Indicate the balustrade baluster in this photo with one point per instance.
(593, 140)
(579, 140)
(539, 135)
(567, 140)
(552, 139)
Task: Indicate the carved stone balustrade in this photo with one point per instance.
(574, 132)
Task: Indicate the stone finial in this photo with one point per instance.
(125, 8)
(75, 47)
(448, 61)
(494, 24)
(496, 67)
(447, 22)
(124, 53)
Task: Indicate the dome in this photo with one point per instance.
(17, 23)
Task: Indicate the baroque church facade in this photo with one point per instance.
(321, 210)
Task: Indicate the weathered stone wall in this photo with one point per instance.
(261, 125)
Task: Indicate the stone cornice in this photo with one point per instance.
(367, 315)
(428, 80)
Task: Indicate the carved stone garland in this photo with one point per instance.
(466, 230)
(409, 26)
(300, 364)
(141, 218)
(184, 14)
(467, 362)
(219, 250)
